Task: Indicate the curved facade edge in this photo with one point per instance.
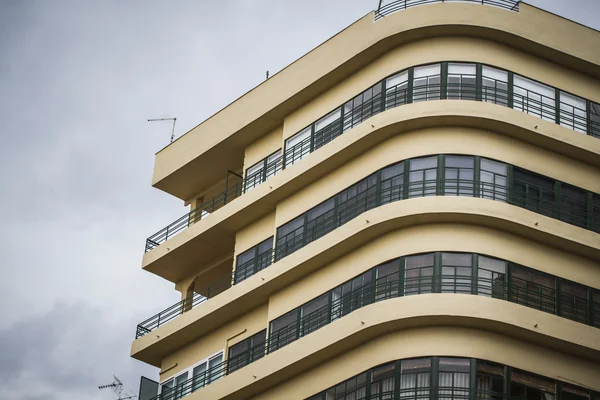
(363, 229)
(517, 324)
(381, 127)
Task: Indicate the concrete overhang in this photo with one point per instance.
(198, 159)
(374, 223)
(377, 320)
(213, 237)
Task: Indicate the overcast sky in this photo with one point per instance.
(78, 80)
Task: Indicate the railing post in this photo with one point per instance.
(167, 234)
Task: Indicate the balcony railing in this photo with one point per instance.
(521, 194)
(200, 296)
(390, 7)
(584, 120)
(519, 291)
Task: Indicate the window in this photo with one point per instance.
(491, 277)
(396, 90)
(352, 389)
(453, 382)
(246, 351)
(573, 301)
(594, 119)
(314, 314)
(357, 199)
(351, 295)
(532, 289)
(423, 177)
(492, 177)
(283, 330)
(573, 113)
(418, 274)
(262, 170)
(490, 381)
(363, 106)
(253, 260)
(534, 192)
(290, 237)
(415, 379)
(392, 183)
(426, 83)
(182, 385)
(456, 272)
(531, 387)
(569, 392)
(328, 128)
(595, 212)
(297, 147)
(595, 307)
(462, 81)
(573, 205)
(382, 382)
(494, 86)
(534, 98)
(459, 175)
(387, 284)
(320, 220)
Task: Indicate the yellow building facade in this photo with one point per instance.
(409, 211)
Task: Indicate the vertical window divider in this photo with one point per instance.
(557, 202)
(298, 326)
(437, 273)
(383, 95)
(441, 175)
(435, 367)
(410, 85)
(590, 210)
(473, 379)
(477, 176)
(374, 284)
(557, 107)
(397, 379)
(305, 230)
(558, 388)
(506, 386)
(330, 306)
(401, 272)
(509, 184)
(474, 271)
(590, 297)
(312, 138)
(406, 181)
(511, 89)
(368, 378)
(378, 189)
(588, 115)
(444, 81)
(557, 305)
(478, 82)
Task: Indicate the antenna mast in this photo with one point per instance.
(117, 388)
(166, 119)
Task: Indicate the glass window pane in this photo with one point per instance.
(394, 80)
(494, 73)
(573, 113)
(427, 70)
(455, 364)
(423, 163)
(328, 119)
(461, 69)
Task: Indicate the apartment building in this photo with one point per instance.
(409, 211)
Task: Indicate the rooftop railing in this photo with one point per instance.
(390, 7)
(519, 291)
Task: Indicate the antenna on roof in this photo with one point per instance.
(167, 119)
(267, 74)
(116, 388)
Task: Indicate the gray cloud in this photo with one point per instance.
(78, 81)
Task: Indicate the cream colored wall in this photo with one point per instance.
(438, 341)
(255, 233)
(263, 147)
(446, 140)
(431, 238)
(219, 339)
(462, 49)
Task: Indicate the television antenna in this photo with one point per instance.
(166, 119)
(117, 390)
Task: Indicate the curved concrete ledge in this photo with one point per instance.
(262, 108)
(363, 229)
(376, 320)
(211, 238)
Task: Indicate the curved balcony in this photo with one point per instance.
(572, 112)
(390, 7)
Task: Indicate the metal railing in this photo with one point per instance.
(516, 97)
(200, 296)
(521, 194)
(519, 291)
(394, 6)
